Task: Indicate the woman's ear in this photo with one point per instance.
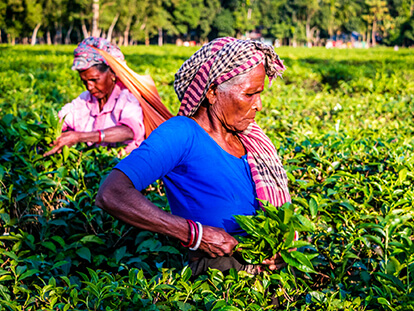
(211, 94)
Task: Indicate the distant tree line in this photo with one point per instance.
(292, 22)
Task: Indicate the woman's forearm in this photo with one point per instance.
(115, 134)
(119, 198)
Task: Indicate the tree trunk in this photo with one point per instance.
(146, 38)
(48, 38)
(160, 35)
(121, 40)
(58, 34)
(95, 18)
(374, 30)
(34, 35)
(84, 30)
(67, 37)
(11, 39)
(111, 28)
(308, 32)
(317, 39)
(126, 32)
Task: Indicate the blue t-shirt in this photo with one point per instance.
(202, 181)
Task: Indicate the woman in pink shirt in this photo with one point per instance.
(107, 112)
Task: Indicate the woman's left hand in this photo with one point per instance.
(69, 139)
(276, 262)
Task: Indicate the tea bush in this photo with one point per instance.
(341, 121)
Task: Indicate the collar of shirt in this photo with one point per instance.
(109, 106)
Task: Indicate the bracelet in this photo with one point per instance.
(101, 136)
(196, 234)
(192, 234)
(200, 236)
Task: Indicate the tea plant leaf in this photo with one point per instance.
(65, 152)
(84, 253)
(396, 281)
(27, 274)
(186, 274)
(300, 257)
(91, 239)
(313, 206)
(384, 301)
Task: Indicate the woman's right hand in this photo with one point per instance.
(216, 242)
(66, 139)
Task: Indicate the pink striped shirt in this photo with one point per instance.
(122, 108)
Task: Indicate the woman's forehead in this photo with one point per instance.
(90, 72)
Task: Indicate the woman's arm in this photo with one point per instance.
(113, 134)
(118, 196)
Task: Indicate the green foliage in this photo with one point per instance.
(271, 232)
(129, 21)
(342, 124)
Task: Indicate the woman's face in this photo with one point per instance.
(236, 105)
(99, 84)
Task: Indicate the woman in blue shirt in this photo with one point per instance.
(213, 158)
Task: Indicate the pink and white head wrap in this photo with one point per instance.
(217, 62)
(86, 56)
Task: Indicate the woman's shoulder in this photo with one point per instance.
(86, 96)
(178, 123)
(79, 101)
(178, 129)
(82, 98)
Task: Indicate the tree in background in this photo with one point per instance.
(402, 12)
(14, 19)
(187, 15)
(208, 15)
(246, 17)
(293, 22)
(378, 16)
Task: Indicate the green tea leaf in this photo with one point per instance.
(84, 253)
(313, 207)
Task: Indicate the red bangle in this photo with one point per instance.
(100, 137)
(195, 235)
(192, 236)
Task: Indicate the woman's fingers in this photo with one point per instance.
(276, 262)
(277, 266)
(53, 150)
(66, 139)
(217, 242)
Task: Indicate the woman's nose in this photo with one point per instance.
(90, 85)
(258, 104)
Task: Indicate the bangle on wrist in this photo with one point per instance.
(192, 232)
(199, 237)
(101, 136)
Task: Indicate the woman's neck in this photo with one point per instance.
(104, 99)
(226, 139)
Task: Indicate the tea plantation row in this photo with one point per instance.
(342, 123)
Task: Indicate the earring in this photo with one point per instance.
(113, 79)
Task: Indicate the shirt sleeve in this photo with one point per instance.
(66, 114)
(159, 154)
(131, 116)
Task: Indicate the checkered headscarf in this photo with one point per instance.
(217, 62)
